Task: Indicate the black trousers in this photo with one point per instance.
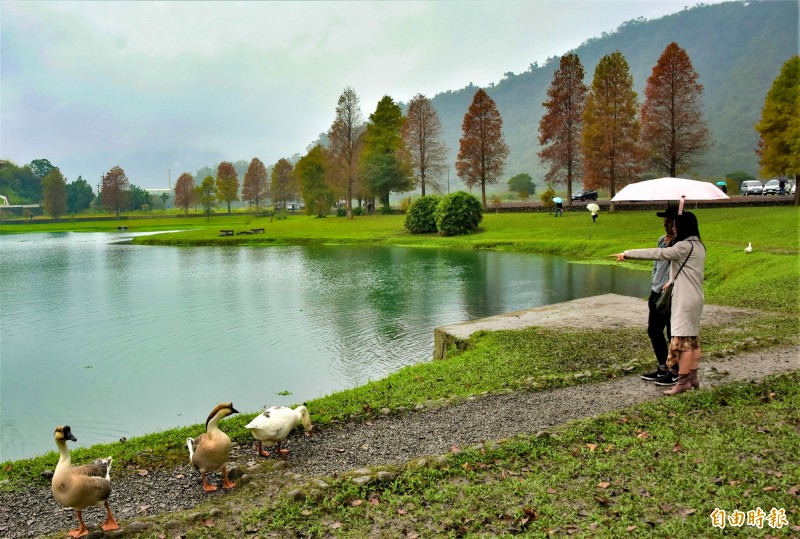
(656, 324)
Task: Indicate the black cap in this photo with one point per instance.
(671, 212)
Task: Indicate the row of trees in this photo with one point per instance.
(600, 134)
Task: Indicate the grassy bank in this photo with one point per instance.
(711, 447)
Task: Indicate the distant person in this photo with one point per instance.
(594, 216)
(782, 185)
(658, 323)
(559, 209)
(687, 257)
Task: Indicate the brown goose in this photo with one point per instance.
(78, 487)
(209, 451)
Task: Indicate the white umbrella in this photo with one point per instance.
(593, 207)
(670, 189)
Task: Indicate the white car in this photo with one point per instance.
(772, 187)
(751, 187)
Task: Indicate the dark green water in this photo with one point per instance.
(119, 340)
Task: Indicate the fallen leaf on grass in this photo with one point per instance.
(609, 448)
(455, 449)
(305, 512)
(604, 484)
(207, 522)
(142, 472)
(374, 501)
(677, 447)
(402, 511)
(631, 528)
(686, 512)
(643, 435)
(551, 490)
(769, 489)
(336, 525)
(794, 490)
(355, 503)
(603, 501)
(591, 447)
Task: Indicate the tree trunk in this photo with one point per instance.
(796, 190)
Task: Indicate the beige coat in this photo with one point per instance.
(687, 295)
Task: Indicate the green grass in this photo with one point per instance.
(658, 469)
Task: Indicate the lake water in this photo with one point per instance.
(119, 340)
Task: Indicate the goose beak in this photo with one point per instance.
(234, 410)
(72, 437)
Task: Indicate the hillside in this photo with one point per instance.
(737, 49)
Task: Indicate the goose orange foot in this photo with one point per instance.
(226, 483)
(262, 452)
(206, 486)
(110, 523)
(82, 529)
(283, 453)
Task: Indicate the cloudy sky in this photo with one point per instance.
(165, 88)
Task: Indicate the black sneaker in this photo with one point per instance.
(653, 376)
(668, 379)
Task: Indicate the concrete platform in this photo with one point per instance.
(604, 311)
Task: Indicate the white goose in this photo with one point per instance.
(210, 451)
(78, 487)
(273, 425)
(749, 248)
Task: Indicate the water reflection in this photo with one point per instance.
(122, 339)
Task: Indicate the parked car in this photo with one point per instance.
(751, 187)
(584, 194)
(771, 188)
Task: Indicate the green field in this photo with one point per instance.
(471, 495)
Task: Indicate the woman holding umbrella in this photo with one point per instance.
(687, 256)
(594, 208)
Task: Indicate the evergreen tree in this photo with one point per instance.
(779, 128)
(79, 196)
(207, 195)
(385, 162)
(310, 175)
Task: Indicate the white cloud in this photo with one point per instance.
(153, 85)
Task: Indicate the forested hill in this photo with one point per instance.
(736, 48)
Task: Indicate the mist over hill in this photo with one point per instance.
(736, 48)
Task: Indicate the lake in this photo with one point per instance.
(119, 340)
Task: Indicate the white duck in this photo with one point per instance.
(273, 425)
(78, 487)
(749, 248)
(210, 451)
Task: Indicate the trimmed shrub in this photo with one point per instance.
(420, 218)
(341, 212)
(358, 210)
(458, 213)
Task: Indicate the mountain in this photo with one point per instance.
(737, 48)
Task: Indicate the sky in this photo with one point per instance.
(162, 88)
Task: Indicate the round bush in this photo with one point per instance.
(420, 215)
(458, 213)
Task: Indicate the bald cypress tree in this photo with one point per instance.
(560, 127)
(610, 138)
(674, 133)
(482, 150)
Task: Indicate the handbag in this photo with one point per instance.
(664, 301)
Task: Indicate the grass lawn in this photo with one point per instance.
(646, 471)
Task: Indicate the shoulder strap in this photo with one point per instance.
(687, 259)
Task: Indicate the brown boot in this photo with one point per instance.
(693, 379)
(682, 385)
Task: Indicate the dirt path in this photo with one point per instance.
(384, 440)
